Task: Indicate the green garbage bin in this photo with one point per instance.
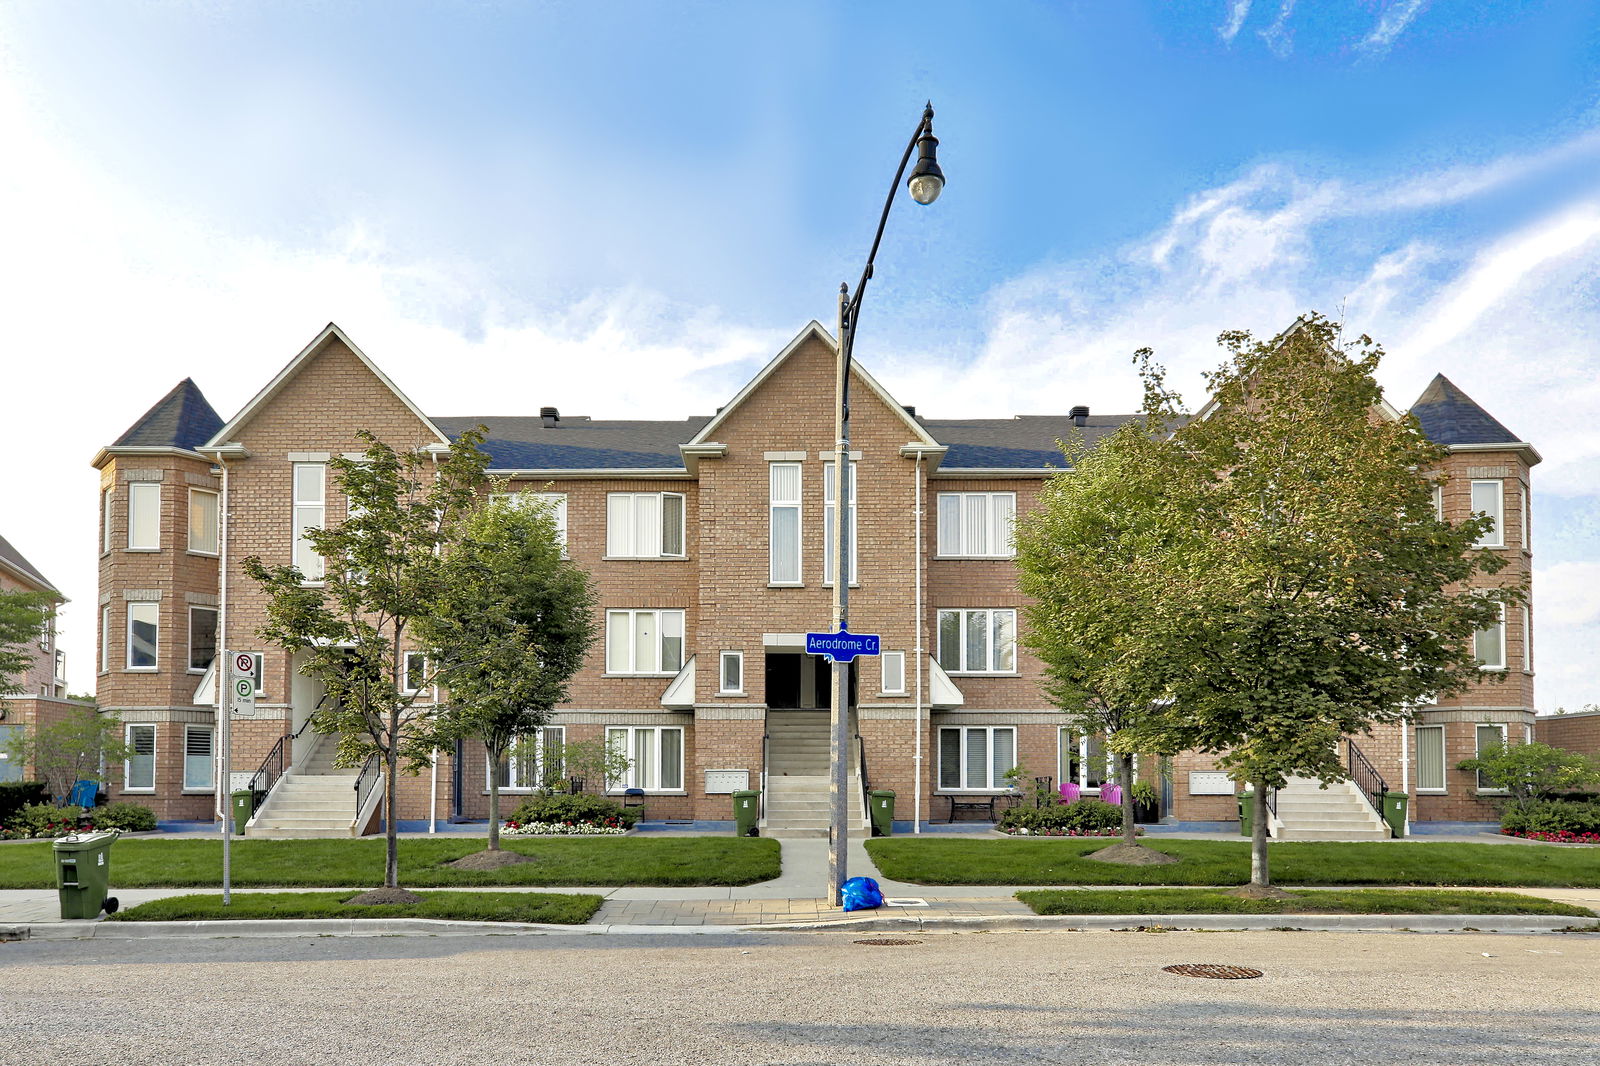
(244, 805)
(746, 812)
(1394, 811)
(1247, 810)
(83, 870)
(882, 812)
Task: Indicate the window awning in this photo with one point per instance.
(680, 694)
(942, 692)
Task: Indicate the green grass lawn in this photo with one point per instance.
(943, 861)
(1357, 901)
(549, 907)
(152, 863)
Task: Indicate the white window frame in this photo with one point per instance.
(107, 499)
(259, 671)
(722, 673)
(217, 636)
(105, 638)
(994, 781)
(216, 521)
(626, 527)
(1438, 501)
(964, 613)
(1477, 750)
(139, 607)
(830, 525)
(301, 511)
(788, 506)
(149, 492)
(1107, 760)
(127, 765)
(1500, 629)
(555, 501)
(209, 784)
(546, 733)
(406, 686)
(1496, 537)
(892, 665)
(997, 519)
(1444, 762)
(1522, 512)
(1527, 641)
(630, 668)
(632, 777)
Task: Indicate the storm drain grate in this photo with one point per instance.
(887, 942)
(1213, 969)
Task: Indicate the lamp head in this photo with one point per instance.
(927, 180)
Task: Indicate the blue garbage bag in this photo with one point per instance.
(861, 894)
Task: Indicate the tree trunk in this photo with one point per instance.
(494, 798)
(1130, 834)
(391, 805)
(1259, 877)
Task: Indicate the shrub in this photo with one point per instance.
(1082, 818)
(45, 820)
(15, 795)
(128, 817)
(581, 809)
(1554, 820)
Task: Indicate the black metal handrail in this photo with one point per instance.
(1367, 780)
(365, 781)
(272, 767)
(861, 763)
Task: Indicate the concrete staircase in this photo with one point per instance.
(796, 803)
(316, 800)
(1307, 811)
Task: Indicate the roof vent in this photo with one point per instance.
(1080, 416)
(550, 416)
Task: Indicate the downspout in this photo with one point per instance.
(433, 792)
(916, 558)
(220, 671)
(1405, 769)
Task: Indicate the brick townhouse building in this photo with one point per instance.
(38, 696)
(710, 544)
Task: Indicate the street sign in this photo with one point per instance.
(244, 663)
(242, 683)
(843, 646)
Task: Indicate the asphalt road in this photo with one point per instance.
(1101, 998)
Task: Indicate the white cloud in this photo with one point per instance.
(1391, 24)
(1238, 11)
(1279, 37)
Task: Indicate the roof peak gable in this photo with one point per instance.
(183, 418)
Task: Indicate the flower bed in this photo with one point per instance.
(40, 821)
(1557, 836)
(609, 828)
(1024, 831)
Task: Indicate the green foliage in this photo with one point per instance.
(581, 809)
(128, 817)
(1533, 771)
(14, 795)
(45, 820)
(72, 748)
(1144, 792)
(23, 614)
(594, 762)
(1360, 901)
(1552, 816)
(1084, 817)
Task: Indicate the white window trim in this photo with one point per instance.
(1438, 501)
(797, 505)
(965, 730)
(1501, 667)
(938, 652)
(216, 511)
(538, 761)
(135, 490)
(722, 674)
(127, 660)
(1007, 542)
(661, 636)
(1498, 533)
(107, 498)
(883, 678)
(1444, 762)
(210, 785)
(189, 660)
(557, 502)
(1527, 641)
(1107, 772)
(259, 676)
(1477, 750)
(661, 524)
(405, 672)
(1522, 505)
(628, 778)
(105, 638)
(297, 528)
(127, 738)
(829, 524)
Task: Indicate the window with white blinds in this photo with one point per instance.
(531, 761)
(784, 515)
(976, 757)
(1430, 758)
(644, 642)
(197, 755)
(654, 754)
(977, 524)
(644, 525)
(139, 771)
(310, 506)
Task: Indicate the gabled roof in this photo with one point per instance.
(17, 563)
(180, 419)
(1027, 442)
(519, 442)
(1449, 416)
(329, 332)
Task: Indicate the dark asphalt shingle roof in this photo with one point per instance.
(1450, 416)
(17, 561)
(181, 419)
(1026, 442)
(578, 443)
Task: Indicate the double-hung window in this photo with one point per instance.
(197, 755)
(202, 638)
(978, 641)
(106, 498)
(144, 515)
(203, 521)
(139, 771)
(893, 665)
(1430, 758)
(644, 525)
(105, 638)
(416, 672)
(976, 757)
(644, 641)
(1527, 641)
(783, 562)
(143, 621)
(654, 754)
(554, 502)
(532, 760)
(830, 530)
(310, 506)
(1489, 644)
(1488, 737)
(977, 524)
(731, 682)
(1488, 498)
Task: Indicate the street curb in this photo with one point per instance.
(357, 927)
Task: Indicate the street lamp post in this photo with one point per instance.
(925, 184)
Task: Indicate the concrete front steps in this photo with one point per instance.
(318, 800)
(1307, 811)
(798, 807)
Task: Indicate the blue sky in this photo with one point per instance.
(624, 209)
